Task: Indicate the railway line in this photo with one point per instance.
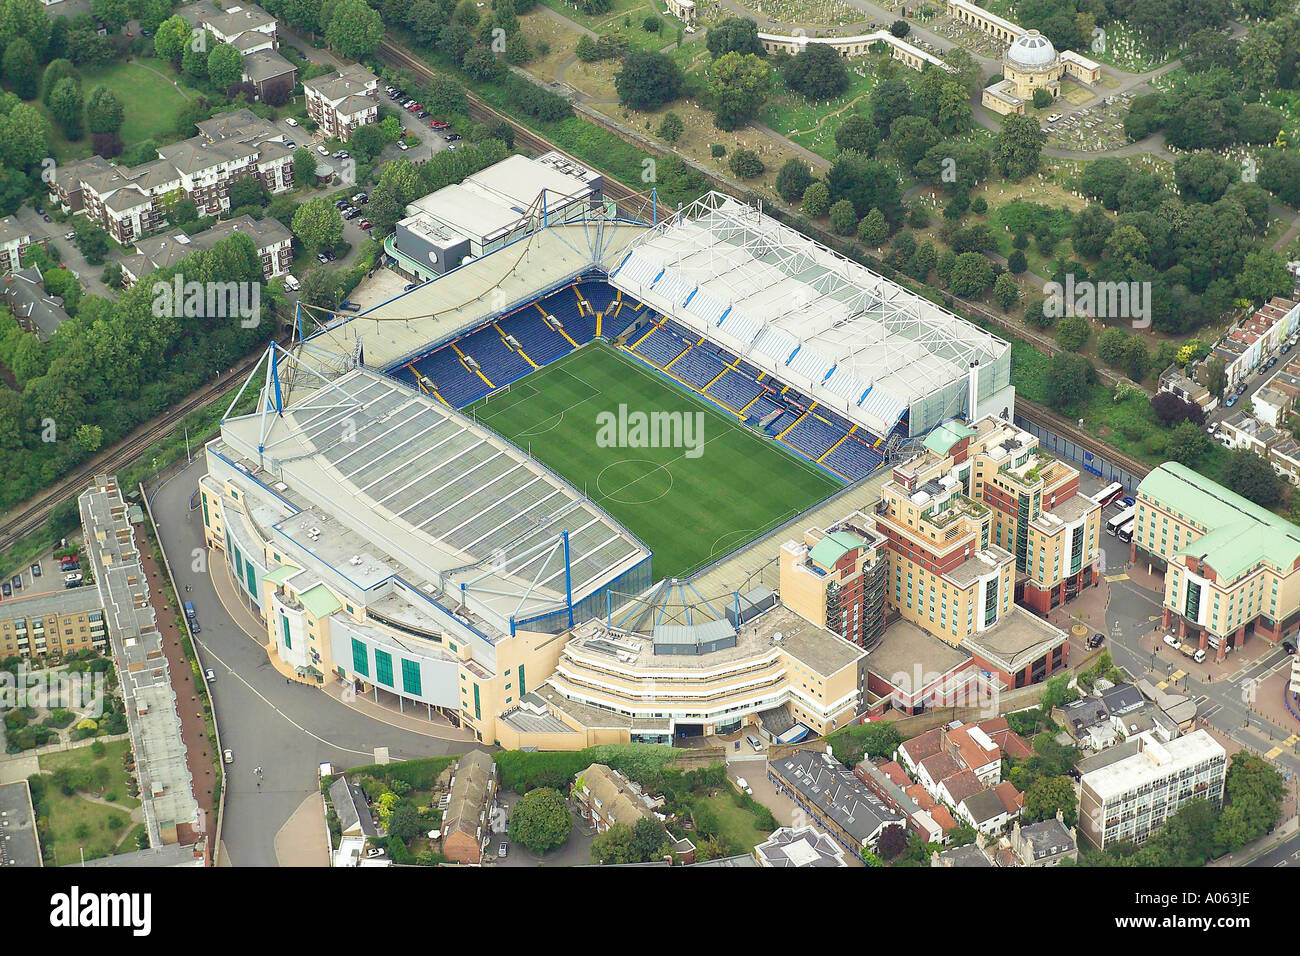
(36, 512)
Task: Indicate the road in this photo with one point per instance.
(1285, 854)
(287, 730)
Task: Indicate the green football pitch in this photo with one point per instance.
(690, 505)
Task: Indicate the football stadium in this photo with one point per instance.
(585, 409)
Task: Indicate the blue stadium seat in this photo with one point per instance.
(812, 436)
(540, 342)
(455, 383)
(698, 367)
(736, 391)
(498, 361)
(784, 421)
(660, 347)
(853, 459)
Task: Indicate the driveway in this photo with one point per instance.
(575, 852)
(67, 250)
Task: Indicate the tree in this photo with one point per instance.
(24, 19)
(171, 39)
(251, 191)
(867, 183)
(91, 240)
(671, 129)
(540, 820)
(304, 165)
(318, 225)
(89, 438)
(1068, 378)
(68, 108)
(746, 164)
(1280, 174)
(857, 133)
(20, 68)
(455, 40)
(1005, 291)
(354, 29)
(54, 72)
(1018, 146)
(1048, 795)
(734, 35)
(648, 838)
(614, 847)
(104, 111)
(844, 219)
(816, 200)
(892, 841)
(900, 28)
(404, 824)
(1042, 98)
(911, 137)
(481, 64)
(873, 228)
(1016, 262)
(817, 71)
(1187, 444)
(890, 100)
(738, 86)
(793, 180)
(971, 274)
(1202, 176)
(1263, 275)
(1073, 332)
(23, 136)
(194, 54)
(1251, 476)
(648, 80)
(322, 288)
(112, 13)
(225, 66)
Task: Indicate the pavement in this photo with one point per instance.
(287, 729)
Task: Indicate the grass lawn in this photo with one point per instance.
(688, 510)
(737, 824)
(77, 824)
(616, 20)
(811, 124)
(149, 102)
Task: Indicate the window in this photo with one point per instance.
(360, 660)
(411, 677)
(287, 642)
(384, 667)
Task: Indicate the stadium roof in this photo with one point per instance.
(451, 502)
(851, 339)
(408, 326)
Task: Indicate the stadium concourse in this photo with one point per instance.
(399, 537)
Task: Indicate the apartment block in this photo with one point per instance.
(54, 622)
(273, 241)
(14, 240)
(1232, 568)
(341, 101)
(131, 202)
(1130, 790)
(837, 579)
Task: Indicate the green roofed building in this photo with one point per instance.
(1232, 568)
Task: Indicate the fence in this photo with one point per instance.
(1085, 458)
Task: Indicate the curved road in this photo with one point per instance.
(287, 730)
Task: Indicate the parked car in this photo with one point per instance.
(292, 284)
(753, 741)
(17, 582)
(365, 224)
(210, 675)
(361, 198)
(322, 258)
(1054, 118)
(290, 121)
(409, 286)
(70, 236)
(228, 755)
(373, 852)
(1232, 400)
(402, 146)
(422, 114)
(1288, 647)
(744, 786)
(36, 571)
(73, 578)
(1096, 640)
(1171, 640)
(350, 307)
(503, 850)
(452, 137)
(322, 150)
(440, 124)
(6, 590)
(290, 144)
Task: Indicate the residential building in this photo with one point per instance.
(799, 847)
(53, 622)
(1232, 568)
(132, 202)
(246, 26)
(466, 821)
(836, 800)
(605, 797)
(352, 808)
(895, 789)
(1111, 715)
(969, 855)
(838, 579)
(272, 75)
(19, 844)
(1128, 791)
(23, 291)
(1244, 348)
(273, 241)
(343, 100)
(14, 240)
(1174, 380)
(981, 517)
(1045, 843)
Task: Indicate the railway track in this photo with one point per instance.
(1067, 429)
(36, 512)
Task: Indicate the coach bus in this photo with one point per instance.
(1114, 525)
(1109, 493)
(1126, 532)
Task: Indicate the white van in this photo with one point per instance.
(291, 283)
(744, 786)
